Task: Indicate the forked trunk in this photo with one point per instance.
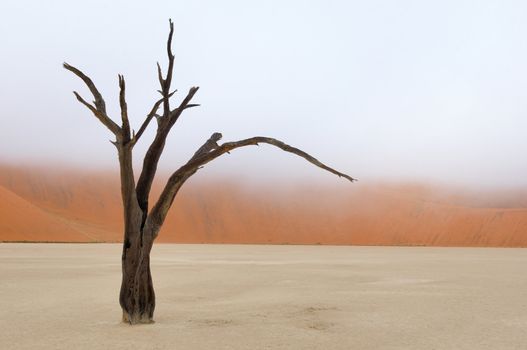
(137, 297)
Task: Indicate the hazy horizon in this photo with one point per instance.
(406, 91)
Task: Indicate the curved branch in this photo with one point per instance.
(254, 141)
(178, 178)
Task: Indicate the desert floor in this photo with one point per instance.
(65, 296)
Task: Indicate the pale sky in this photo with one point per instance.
(397, 90)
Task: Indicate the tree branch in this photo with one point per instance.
(114, 128)
(174, 115)
(165, 123)
(124, 149)
(149, 117)
(100, 106)
(151, 160)
(167, 81)
(229, 146)
(160, 77)
(124, 110)
(99, 101)
(178, 178)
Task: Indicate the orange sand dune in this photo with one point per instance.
(67, 205)
(24, 221)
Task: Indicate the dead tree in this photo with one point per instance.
(141, 221)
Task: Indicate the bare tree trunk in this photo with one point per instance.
(137, 297)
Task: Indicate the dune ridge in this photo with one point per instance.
(40, 204)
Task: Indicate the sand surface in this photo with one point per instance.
(64, 296)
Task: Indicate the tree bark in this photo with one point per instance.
(137, 297)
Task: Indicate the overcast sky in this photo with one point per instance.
(399, 90)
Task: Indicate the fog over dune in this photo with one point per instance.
(68, 205)
(385, 91)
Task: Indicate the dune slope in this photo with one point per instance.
(22, 221)
(67, 205)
